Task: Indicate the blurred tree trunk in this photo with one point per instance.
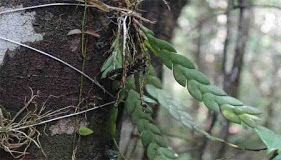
(201, 66)
(232, 78)
(214, 116)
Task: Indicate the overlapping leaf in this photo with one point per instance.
(199, 86)
(151, 137)
(176, 109)
(114, 61)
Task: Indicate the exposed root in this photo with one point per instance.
(15, 141)
(19, 132)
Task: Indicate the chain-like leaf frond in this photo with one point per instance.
(151, 137)
(199, 86)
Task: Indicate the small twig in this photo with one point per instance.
(116, 145)
(80, 5)
(209, 136)
(167, 4)
(275, 153)
(83, 50)
(61, 61)
(257, 6)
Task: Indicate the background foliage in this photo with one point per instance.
(260, 79)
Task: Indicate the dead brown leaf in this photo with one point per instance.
(78, 31)
(98, 4)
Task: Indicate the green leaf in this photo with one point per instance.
(176, 104)
(146, 138)
(84, 131)
(107, 63)
(184, 156)
(193, 88)
(151, 90)
(151, 127)
(179, 76)
(152, 150)
(155, 81)
(146, 30)
(212, 89)
(130, 83)
(228, 113)
(163, 100)
(269, 138)
(148, 109)
(152, 42)
(228, 100)
(181, 60)
(165, 57)
(112, 121)
(152, 71)
(247, 119)
(131, 102)
(147, 44)
(209, 101)
(187, 122)
(175, 113)
(149, 100)
(160, 141)
(167, 152)
(165, 45)
(199, 76)
(247, 109)
(115, 61)
(141, 125)
(136, 116)
(231, 116)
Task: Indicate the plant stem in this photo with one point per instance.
(83, 47)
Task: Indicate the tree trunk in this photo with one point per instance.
(232, 78)
(57, 85)
(166, 21)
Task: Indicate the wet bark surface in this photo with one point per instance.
(24, 69)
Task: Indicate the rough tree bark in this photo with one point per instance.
(22, 69)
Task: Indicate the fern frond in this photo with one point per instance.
(200, 87)
(151, 137)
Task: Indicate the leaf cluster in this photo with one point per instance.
(198, 85)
